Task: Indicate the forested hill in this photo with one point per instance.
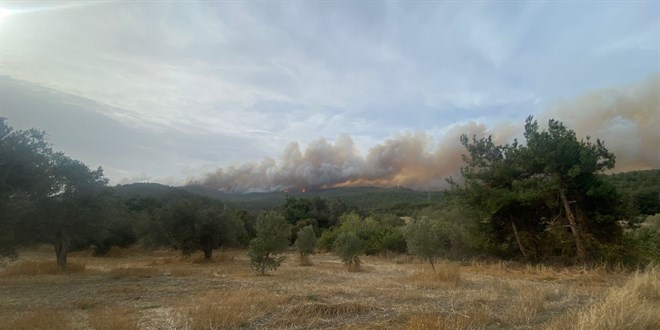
(641, 187)
(160, 192)
(368, 198)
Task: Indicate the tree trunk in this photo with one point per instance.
(208, 254)
(431, 262)
(581, 251)
(520, 246)
(61, 250)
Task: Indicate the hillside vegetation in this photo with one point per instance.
(545, 201)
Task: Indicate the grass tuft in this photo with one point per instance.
(37, 319)
(139, 272)
(110, 318)
(445, 275)
(230, 309)
(321, 310)
(527, 306)
(636, 305)
(476, 318)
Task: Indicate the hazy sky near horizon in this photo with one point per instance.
(164, 90)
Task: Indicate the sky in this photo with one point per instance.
(260, 95)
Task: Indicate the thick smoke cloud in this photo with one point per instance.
(411, 160)
(625, 118)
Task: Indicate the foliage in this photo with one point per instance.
(347, 247)
(118, 229)
(339, 200)
(520, 190)
(24, 177)
(306, 241)
(272, 238)
(327, 239)
(201, 224)
(47, 197)
(379, 233)
(642, 189)
(426, 240)
(458, 226)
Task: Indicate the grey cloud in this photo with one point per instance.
(83, 130)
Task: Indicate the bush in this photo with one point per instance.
(305, 243)
(327, 239)
(638, 247)
(347, 247)
(426, 240)
(272, 238)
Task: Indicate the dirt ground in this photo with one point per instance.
(161, 290)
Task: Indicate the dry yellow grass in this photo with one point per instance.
(230, 309)
(636, 305)
(324, 310)
(473, 319)
(117, 252)
(140, 272)
(528, 304)
(160, 290)
(445, 275)
(37, 319)
(304, 260)
(112, 318)
(28, 268)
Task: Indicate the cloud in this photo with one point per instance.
(82, 129)
(200, 84)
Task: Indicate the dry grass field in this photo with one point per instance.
(134, 290)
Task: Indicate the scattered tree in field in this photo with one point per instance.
(24, 178)
(200, 224)
(425, 240)
(347, 247)
(306, 243)
(75, 214)
(272, 238)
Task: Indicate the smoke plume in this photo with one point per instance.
(625, 118)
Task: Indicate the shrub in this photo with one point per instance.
(327, 239)
(272, 238)
(425, 240)
(347, 247)
(305, 243)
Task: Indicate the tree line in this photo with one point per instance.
(544, 200)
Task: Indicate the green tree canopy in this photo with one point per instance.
(272, 238)
(523, 192)
(195, 224)
(426, 240)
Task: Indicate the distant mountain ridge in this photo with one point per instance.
(637, 183)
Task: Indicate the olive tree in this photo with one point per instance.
(306, 243)
(425, 240)
(273, 233)
(347, 247)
